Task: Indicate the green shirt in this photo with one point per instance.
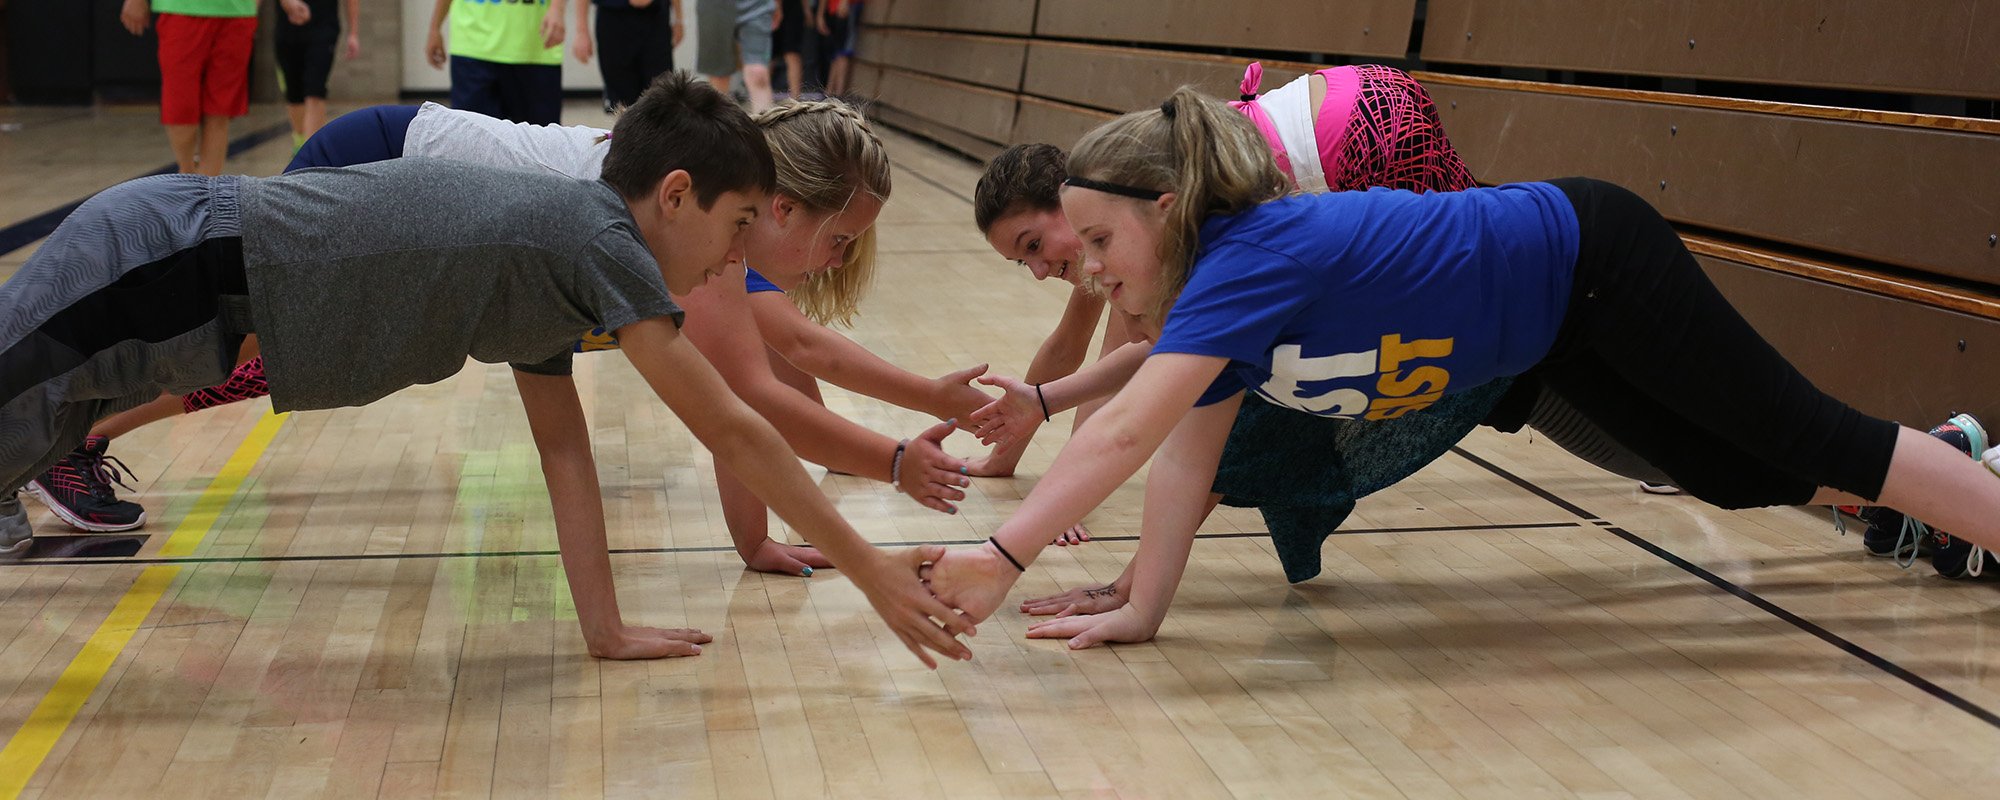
(206, 8)
(501, 31)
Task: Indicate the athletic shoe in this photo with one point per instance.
(15, 534)
(78, 489)
(1890, 534)
(1954, 557)
(1659, 488)
(1992, 460)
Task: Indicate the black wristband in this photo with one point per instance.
(1003, 551)
(1044, 401)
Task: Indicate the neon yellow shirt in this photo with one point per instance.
(501, 31)
(206, 8)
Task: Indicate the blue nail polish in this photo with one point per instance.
(806, 572)
(965, 470)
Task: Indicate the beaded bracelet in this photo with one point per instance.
(896, 464)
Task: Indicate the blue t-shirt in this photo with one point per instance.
(1375, 304)
(754, 283)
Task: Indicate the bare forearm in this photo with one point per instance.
(821, 436)
(836, 359)
(353, 16)
(1110, 449)
(438, 14)
(748, 446)
(580, 538)
(1101, 379)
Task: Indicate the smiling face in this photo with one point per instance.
(1120, 240)
(1040, 240)
(789, 243)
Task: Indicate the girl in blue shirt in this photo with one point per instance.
(1377, 304)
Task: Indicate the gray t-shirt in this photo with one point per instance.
(368, 279)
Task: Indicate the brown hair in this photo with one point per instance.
(682, 123)
(1025, 177)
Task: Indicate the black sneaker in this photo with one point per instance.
(1892, 535)
(1954, 557)
(78, 489)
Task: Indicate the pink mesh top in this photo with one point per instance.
(1376, 127)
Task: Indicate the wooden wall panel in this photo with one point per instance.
(1922, 198)
(987, 16)
(1348, 27)
(1125, 79)
(1936, 47)
(955, 139)
(985, 60)
(984, 113)
(875, 13)
(1053, 123)
(1867, 349)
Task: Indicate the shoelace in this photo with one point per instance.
(1912, 535)
(106, 469)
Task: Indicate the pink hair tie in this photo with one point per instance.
(1253, 77)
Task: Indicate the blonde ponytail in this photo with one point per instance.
(1194, 146)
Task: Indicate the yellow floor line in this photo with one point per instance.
(31, 744)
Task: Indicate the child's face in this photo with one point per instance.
(1041, 241)
(789, 243)
(1120, 244)
(700, 243)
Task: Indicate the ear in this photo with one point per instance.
(675, 189)
(782, 208)
(1166, 201)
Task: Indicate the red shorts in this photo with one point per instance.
(204, 67)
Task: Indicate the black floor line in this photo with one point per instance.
(1868, 656)
(114, 561)
(33, 229)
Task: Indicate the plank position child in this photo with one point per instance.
(815, 238)
(1338, 129)
(363, 281)
(1383, 303)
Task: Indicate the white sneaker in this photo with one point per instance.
(1992, 459)
(1659, 488)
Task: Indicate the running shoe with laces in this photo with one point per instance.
(1952, 556)
(78, 489)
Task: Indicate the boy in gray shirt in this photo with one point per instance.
(359, 282)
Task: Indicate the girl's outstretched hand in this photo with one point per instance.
(1017, 411)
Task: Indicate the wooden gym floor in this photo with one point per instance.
(367, 602)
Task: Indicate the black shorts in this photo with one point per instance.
(305, 59)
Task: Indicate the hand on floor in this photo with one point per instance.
(786, 559)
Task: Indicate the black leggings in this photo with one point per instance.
(1652, 352)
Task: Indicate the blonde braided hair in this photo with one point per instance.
(826, 152)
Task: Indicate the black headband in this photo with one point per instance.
(1114, 188)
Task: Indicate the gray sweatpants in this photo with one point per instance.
(138, 292)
